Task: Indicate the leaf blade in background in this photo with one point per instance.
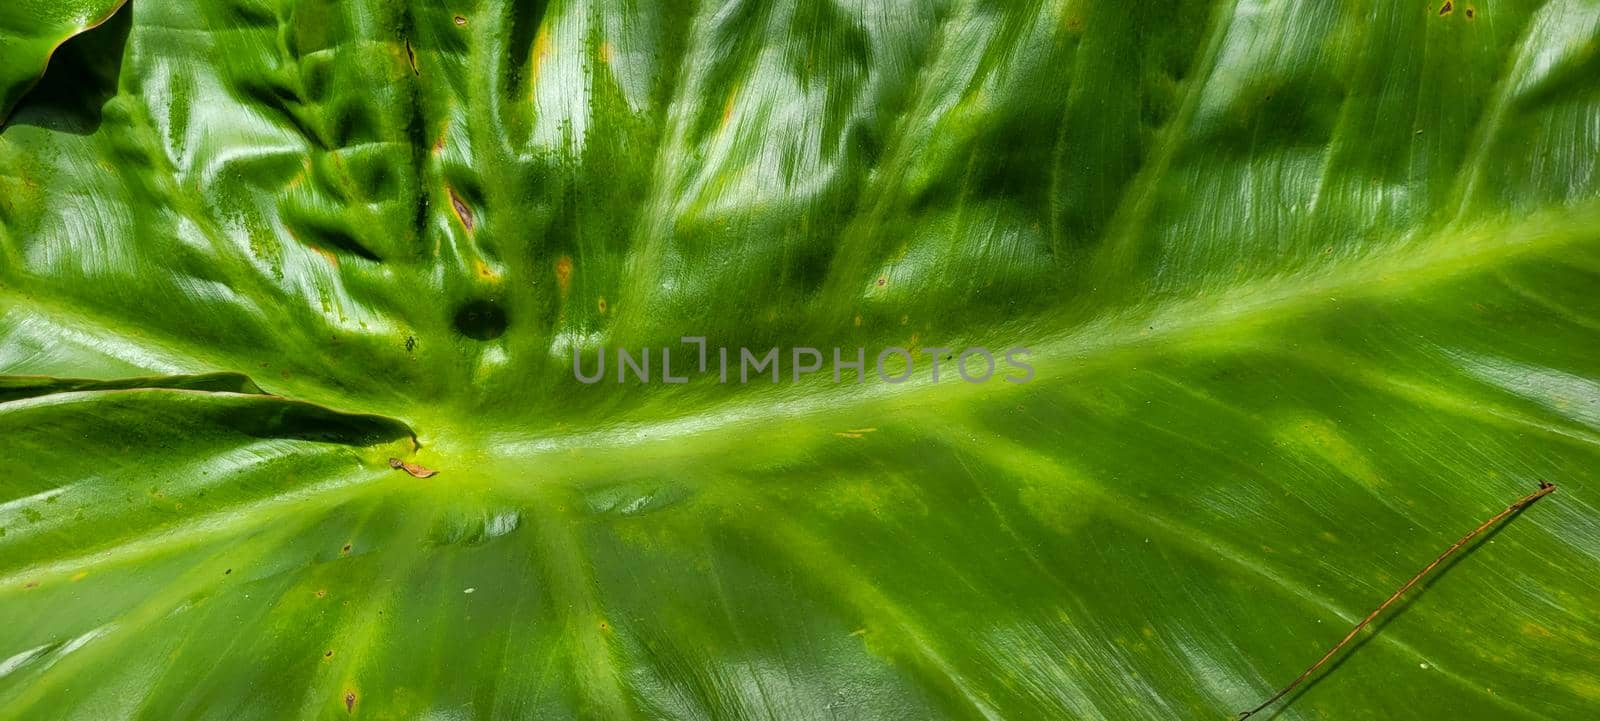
(1309, 293)
(30, 32)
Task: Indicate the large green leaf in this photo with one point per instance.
(31, 30)
(1310, 288)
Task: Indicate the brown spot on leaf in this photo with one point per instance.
(345, 550)
(31, 584)
(328, 653)
(461, 21)
(882, 281)
(349, 701)
(411, 57)
(326, 255)
(727, 109)
(564, 274)
(602, 306)
(485, 271)
(412, 468)
(463, 213)
(444, 132)
(1472, 12)
(322, 593)
(227, 572)
(1447, 8)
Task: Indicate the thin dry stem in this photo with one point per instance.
(1545, 489)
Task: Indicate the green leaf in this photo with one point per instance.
(30, 32)
(1309, 291)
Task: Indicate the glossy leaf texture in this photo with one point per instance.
(1310, 290)
(31, 30)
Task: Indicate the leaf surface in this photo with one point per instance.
(30, 32)
(1309, 292)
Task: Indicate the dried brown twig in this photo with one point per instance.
(1545, 489)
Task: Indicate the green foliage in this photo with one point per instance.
(1310, 289)
(31, 30)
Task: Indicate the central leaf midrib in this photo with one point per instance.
(1086, 349)
(1453, 253)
